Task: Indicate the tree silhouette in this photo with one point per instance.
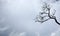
(45, 14)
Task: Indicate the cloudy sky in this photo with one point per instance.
(17, 18)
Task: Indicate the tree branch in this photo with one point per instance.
(53, 17)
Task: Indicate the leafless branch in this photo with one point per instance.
(46, 8)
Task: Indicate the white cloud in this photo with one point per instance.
(56, 33)
(22, 34)
(17, 34)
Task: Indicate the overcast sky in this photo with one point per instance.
(17, 18)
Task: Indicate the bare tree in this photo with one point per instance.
(45, 14)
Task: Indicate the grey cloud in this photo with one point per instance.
(19, 16)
